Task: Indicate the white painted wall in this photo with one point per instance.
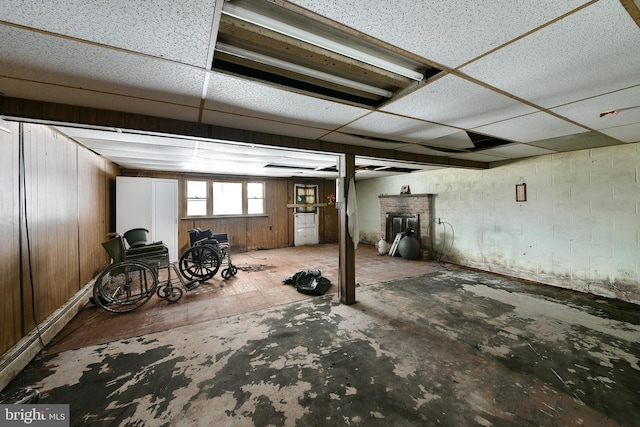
(579, 228)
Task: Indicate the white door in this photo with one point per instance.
(305, 218)
(134, 198)
(165, 221)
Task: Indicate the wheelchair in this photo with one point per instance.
(135, 272)
(205, 256)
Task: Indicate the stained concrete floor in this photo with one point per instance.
(443, 346)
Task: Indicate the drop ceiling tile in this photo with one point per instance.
(253, 99)
(625, 102)
(515, 151)
(342, 138)
(146, 155)
(179, 31)
(34, 57)
(255, 124)
(88, 98)
(444, 31)
(390, 126)
(419, 149)
(629, 133)
(594, 51)
(456, 102)
(456, 141)
(116, 136)
(580, 141)
(478, 157)
(532, 127)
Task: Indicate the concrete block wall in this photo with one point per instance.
(578, 229)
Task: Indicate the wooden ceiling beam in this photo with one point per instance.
(53, 113)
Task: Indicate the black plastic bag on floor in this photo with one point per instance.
(309, 282)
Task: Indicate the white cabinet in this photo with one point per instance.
(152, 204)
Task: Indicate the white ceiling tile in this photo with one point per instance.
(33, 56)
(244, 97)
(176, 30)
(581, 141)
(419, 149)
(116, 135)
(447, 32)
(260, 125)
(568, 60)
(89, 98)
(148, 154)
(456, 102)
(456, 141)
(514, 151)
(342, 138)
(629, 133)
(478, 157)
(390, 126)
(532, 127)
(587, 112)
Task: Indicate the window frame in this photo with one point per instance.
(210, 198)
(188, 199)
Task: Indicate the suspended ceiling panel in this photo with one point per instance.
(619, 108)
(456, 102)
(35, 57)
(582, 55)
(343, 138)
(525, 78)
(429, 151)
(178, 31)
(630, 133)
(531, 127)
(381, 125)
(583, 141)
(240, 121)
(447, 32)
(513, 151)
(255, 99)
(107, 101)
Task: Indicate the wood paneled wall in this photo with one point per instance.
(273, 230)
(69, 194)
(10, 303)
(54, 216)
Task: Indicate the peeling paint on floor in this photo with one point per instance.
(454, 348)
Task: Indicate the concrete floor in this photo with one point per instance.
(424, 345)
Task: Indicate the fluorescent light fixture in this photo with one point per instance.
(299, 34)
(268, 60)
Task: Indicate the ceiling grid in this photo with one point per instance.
(496, 81)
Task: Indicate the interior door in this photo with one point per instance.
(305, 218)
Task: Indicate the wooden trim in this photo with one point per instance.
(31, 110)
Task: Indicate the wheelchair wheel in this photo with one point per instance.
(199, 262)
(170, 293)
(124, 286)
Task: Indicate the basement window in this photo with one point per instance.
(206, 198)
(290, 47)
(196, 198)
(227, 198)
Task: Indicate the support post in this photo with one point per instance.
(347, 258)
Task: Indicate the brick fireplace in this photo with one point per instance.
(407, 210)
